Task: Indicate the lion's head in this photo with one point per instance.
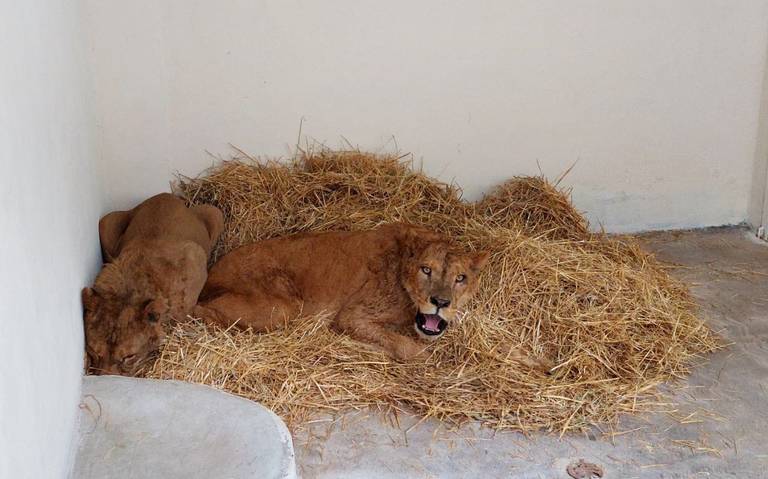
(123, 323)
(121, 336)
(134, 298)
(439, 280)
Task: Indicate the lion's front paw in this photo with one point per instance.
(407, 350)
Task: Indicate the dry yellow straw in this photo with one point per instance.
(607, 314)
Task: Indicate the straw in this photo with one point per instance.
(607, 316)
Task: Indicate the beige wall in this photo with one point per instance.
(49, 247)
(758, 199)
(657, 100)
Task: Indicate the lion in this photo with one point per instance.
(156, 258)
(373, 283)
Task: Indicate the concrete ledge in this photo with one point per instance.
(145, 428)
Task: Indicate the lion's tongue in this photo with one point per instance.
(432, 322)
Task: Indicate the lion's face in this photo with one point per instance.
(121, 336)
(440, 281)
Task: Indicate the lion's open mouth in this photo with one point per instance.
(431, 324)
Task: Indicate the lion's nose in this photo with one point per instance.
(440, 302)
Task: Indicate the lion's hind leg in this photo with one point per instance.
(258, 311)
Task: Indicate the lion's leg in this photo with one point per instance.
(258, 311)
(364, 323)
(213, 220)
(111, 229)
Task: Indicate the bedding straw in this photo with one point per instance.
(607, 315)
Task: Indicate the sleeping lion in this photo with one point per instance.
(373, 282)
(155, 259)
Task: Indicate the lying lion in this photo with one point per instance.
(372, 281)
(156, 259)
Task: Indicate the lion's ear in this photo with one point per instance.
(479, 260)
(90, 299)
(414, 239)
(407, 242)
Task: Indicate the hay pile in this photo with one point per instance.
(607, 314)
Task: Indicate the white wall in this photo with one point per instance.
(48, 238)
(757, 211)
(657, 100)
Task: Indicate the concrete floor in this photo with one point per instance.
(143, 428)
(725, 401)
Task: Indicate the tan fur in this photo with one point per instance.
(371, 281)
(156, 256)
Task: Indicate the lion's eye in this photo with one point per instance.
(460, 278)
(129, 359)
(426, 270)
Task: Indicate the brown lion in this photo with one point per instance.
(373, 282)
(155, 266)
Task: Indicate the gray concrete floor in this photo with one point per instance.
(725, 400)
(143, 428)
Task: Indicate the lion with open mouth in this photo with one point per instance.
(373, 282)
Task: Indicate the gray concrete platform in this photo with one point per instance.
(719, 429)
(142, 428)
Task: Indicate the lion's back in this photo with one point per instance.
(323, 265)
